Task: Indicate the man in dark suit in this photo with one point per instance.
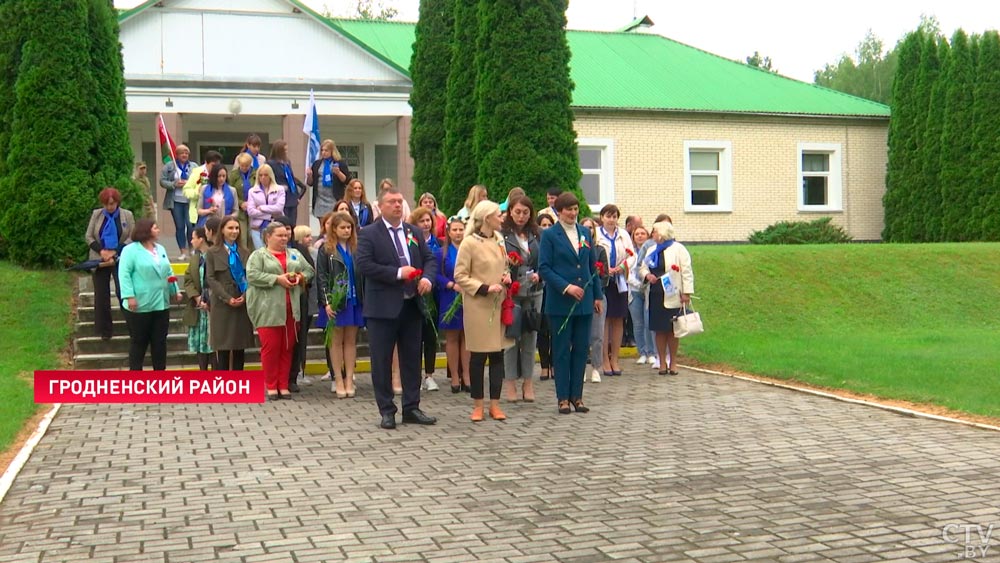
(389, 254)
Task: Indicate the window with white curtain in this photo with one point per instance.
(820, 177)
(708, 176)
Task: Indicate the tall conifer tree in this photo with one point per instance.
(48, 192)
(904, 129)
(986, 211)
(111, 158)
(524, 124)
(429, 70)
(956, 145)
(461, 170)
(926, 223)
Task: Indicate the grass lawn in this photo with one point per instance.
(912, 322)
(35, 325)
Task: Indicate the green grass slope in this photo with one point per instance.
(911, 322)
(35, 325)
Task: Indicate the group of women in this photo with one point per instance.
(511, 282)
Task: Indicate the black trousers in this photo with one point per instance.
(383, 335)
(229, 360)
(430, 345)
(544, 342)
(147, 330)
(299, 352)
(291, 212)
(102, 299)
(477, 367)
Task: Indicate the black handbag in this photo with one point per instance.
(531, 321)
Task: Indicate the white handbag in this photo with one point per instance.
(687, 323)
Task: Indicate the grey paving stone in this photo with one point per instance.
(689, 468)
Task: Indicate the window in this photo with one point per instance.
(708, 184)
(820, 177)
(597, 171)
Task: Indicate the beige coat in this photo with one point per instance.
(481, 262)
(683, 277)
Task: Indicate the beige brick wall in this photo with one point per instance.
(649, 168)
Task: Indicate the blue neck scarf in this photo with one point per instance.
(352, 292)
(613, 259)
(246, 183)
(253, 159)
(290, 178)
(363, 219)
(327, 174)
(185, 170)
(227, 196)
(433, 244)
(654, 258)
(109, 231)
(450, 261)
(236, 268)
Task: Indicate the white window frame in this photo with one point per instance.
(607, 171)
(835, 183)
(725, 200)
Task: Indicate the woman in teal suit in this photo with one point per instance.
(146, 288)
(568, 265)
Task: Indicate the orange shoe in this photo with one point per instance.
(495, 412)
(477, 410)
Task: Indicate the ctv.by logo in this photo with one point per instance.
(975, 538)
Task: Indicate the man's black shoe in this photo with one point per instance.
(388, 422)
(416, 416)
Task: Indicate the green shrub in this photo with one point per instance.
(820, 231)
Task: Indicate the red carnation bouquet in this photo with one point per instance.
(430, 307)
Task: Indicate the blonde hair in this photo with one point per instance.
(328, 143)
(382, 184)
(332, 239)
(483, 210)
(302, 231)
(665, 230)
(474, 193)
(270, 174)
(350, 185)
(244, 158)
(514, 193)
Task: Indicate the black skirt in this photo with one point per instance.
(661, 319)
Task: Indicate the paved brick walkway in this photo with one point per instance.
(691, 468)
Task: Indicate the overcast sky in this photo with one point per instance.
(800, 37)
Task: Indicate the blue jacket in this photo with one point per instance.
(140, 277)
(560, 265)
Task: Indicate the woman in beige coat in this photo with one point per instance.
(670, 284)
(481, 272)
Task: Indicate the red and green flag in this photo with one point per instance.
(167, 146)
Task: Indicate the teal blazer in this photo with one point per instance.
(561, 265)
(140, 277)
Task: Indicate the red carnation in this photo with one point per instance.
(675, 267)
(172, 279)
(515, 258)
(600, 268)
(415, 274)
(515, 288)
(629, 252)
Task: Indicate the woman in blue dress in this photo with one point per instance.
(423, 219)
(336, 272)
(447, 292)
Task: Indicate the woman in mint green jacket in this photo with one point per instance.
(147, 284)
(276, 275)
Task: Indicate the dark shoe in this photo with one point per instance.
(616, 372)
(293, 387)
(456, 388)
(579, 407)
(663, 372)
(417, 416)
(273, 397)
(672, 372)
(564, 407)
(465, 388)
(388, 422)
(285, 396)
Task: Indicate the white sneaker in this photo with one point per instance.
(430, 384)
(595, 376)
(655, 363)
(182, 258)
(641, 360)
(326, 377)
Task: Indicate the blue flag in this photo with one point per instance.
(311, 129)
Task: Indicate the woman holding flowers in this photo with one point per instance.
(597, 344)
(229, 328)
(423, 219)
(618, 245)
(276, 276)
(667, 269)
(216, 197)
(520, 234)
(450, 305)
(147, 283)
(481, 272)
(567, 262)
(341, 293)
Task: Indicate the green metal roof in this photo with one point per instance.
(634, 71)
(649, 72)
